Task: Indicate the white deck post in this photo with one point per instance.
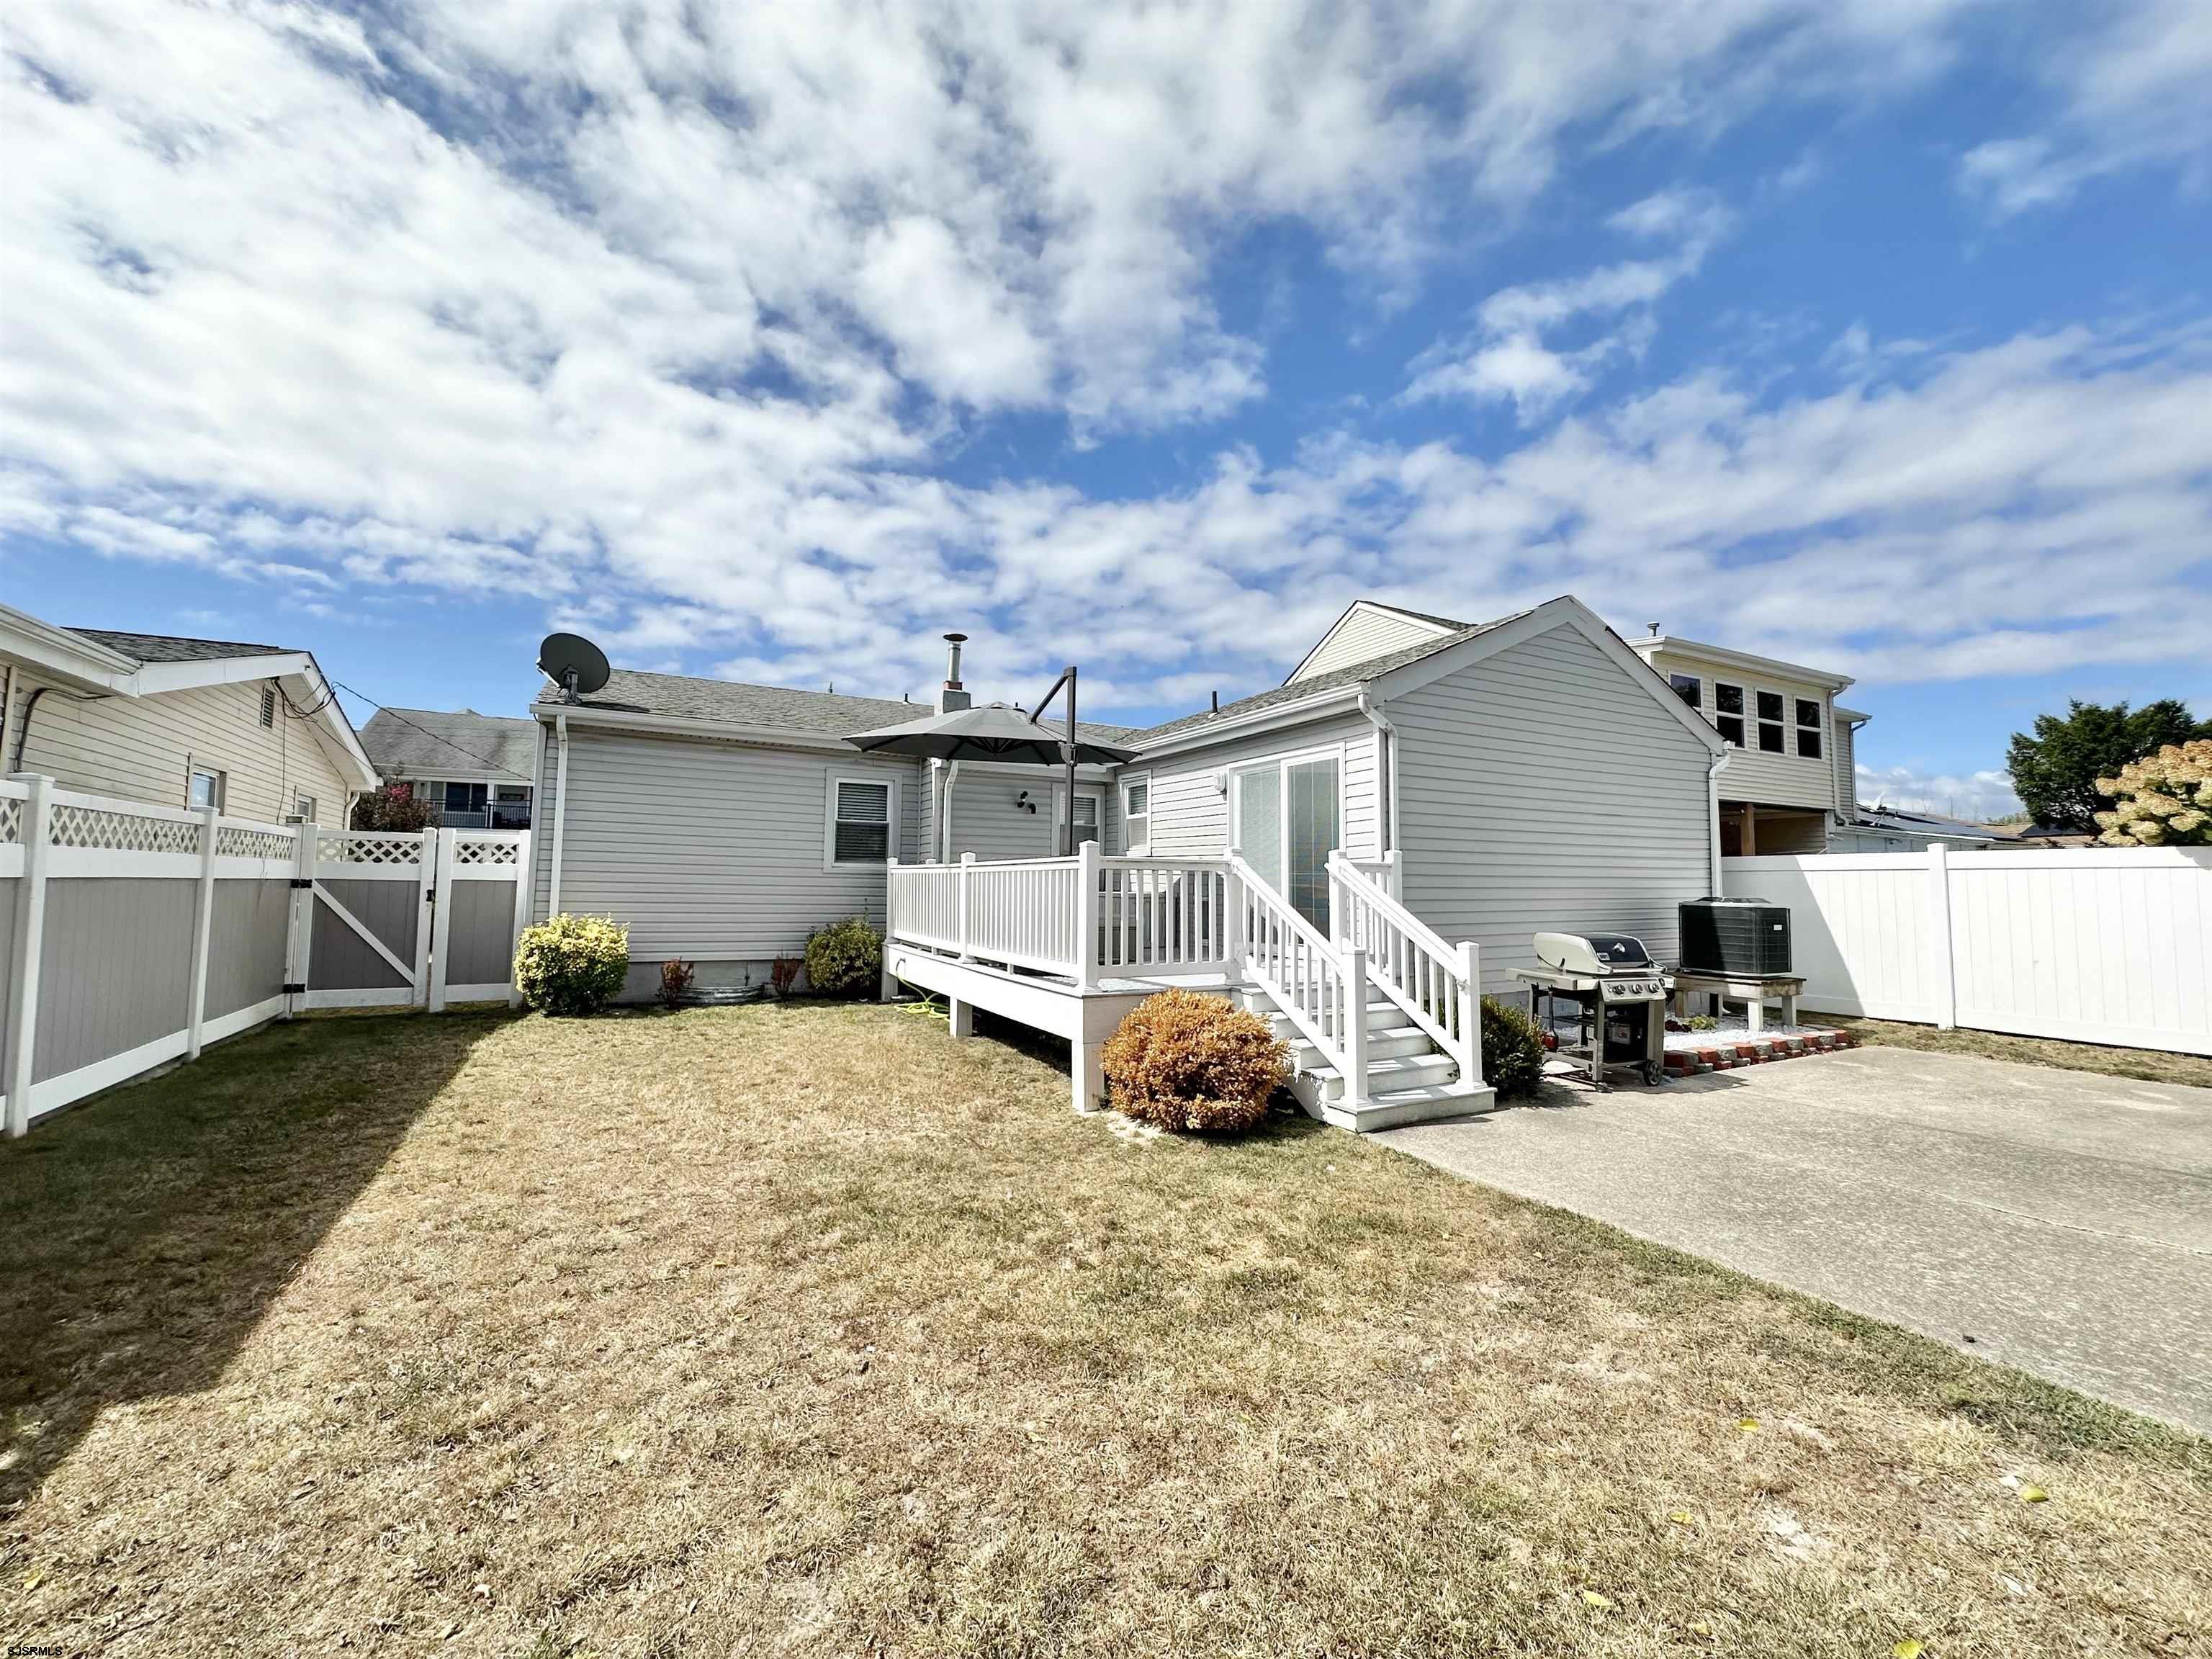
(960, 1016)
(1355, 1029)
(886, 986)
(967, 862)
(1086, 916)
(1232, 893)
(303, 919)
(1470, 1013)
(29, 947)
(1942, 977)
(1087, 1074)
(203, 933)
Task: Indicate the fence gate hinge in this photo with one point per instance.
(303, 881)
(291, 989)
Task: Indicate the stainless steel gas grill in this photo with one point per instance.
(1621, 994)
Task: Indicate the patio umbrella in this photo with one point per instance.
(997, 732)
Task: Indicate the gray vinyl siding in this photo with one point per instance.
(709, 850)
(145, 749)
(1847, 781)
(1190, 809)
(1361, 636)
(988, 821)
(1544, 788)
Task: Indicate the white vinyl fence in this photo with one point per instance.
(2093, 944)
(131, 935)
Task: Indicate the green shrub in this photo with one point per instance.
(1512, 1051)
(845, 958)
(1193, 1063)
(572, 964)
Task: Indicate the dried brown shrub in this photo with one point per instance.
(1193, 1063)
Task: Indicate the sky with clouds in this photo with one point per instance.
(772, 340)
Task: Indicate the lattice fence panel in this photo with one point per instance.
(11, 822)
(487, 851)
(235, 841)
(122, 832)
(353, 849)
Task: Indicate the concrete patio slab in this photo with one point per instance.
(2057, 1221)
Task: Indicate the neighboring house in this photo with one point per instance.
(1789, 783)
(1880, 829)
(1533, 773)
(254, 730)
(474, 769)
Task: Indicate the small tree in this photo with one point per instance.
(2057, 772)
(2162, 800)
(395, 807)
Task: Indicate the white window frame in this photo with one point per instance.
(1674, 677)
(1338, 752)
(193, 773)
(1744, 718)
(304, 806)
(1134, 846)
(1755, 740)
(1097, 794)
(830, 861)
(1817, 727)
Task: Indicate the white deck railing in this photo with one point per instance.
(1323, 990)
(1089, 917)
(1437, 984)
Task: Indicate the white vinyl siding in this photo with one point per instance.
(1190, 812)
(1545, 788)
(147, 748)
(1843, 741)
(1767, 778)
(989, 818)
(1363, 634)
(709, 851)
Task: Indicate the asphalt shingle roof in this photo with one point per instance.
(1335, 679)
(431, 743)
(173, 647)
(774, 708)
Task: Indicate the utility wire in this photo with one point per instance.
(489, 764)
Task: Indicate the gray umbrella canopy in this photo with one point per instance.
(992, 732)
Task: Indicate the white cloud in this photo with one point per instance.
(1506, 358)
(1981, 797)
(2131, 83)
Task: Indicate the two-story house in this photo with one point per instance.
(475, 771)
(1790, 785)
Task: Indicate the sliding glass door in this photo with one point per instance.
(1287, 817)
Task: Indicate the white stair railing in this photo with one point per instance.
(1323, 991)
(1437, 984)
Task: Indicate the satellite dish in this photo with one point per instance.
(573, 663)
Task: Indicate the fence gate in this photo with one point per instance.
(396, 921)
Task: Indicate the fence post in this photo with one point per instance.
(1470, 1013)
(203, 933)
(29, 948)
(1942, 976)
(1086, 914)
(525, 890)
(967, 863)
(430, 984)
(1355, 1029)
(303, 919)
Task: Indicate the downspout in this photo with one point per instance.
(7, 710)
(560, 810)
(1713, 815)
(952, 772)
(1388, 734)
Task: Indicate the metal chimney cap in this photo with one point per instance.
(957, 639)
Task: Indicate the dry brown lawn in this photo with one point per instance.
(2150, 1064)
(806, 1330)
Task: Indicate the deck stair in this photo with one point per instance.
(1409, 1078)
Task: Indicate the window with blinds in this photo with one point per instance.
(862, 831)
(1136, 814)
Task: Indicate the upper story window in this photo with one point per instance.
(268, 705)
(1689, 688)
(1770, 724)
(1728, 712)
(859, 821)
(1136, 812)
(1808, 727)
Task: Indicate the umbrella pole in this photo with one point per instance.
(1067, 833)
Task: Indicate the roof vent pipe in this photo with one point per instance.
(1654, 627)
(952, 696)
(1216, 701)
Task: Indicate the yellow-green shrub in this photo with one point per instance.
(1191, 1062)
(844, 958)
(572, 964)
